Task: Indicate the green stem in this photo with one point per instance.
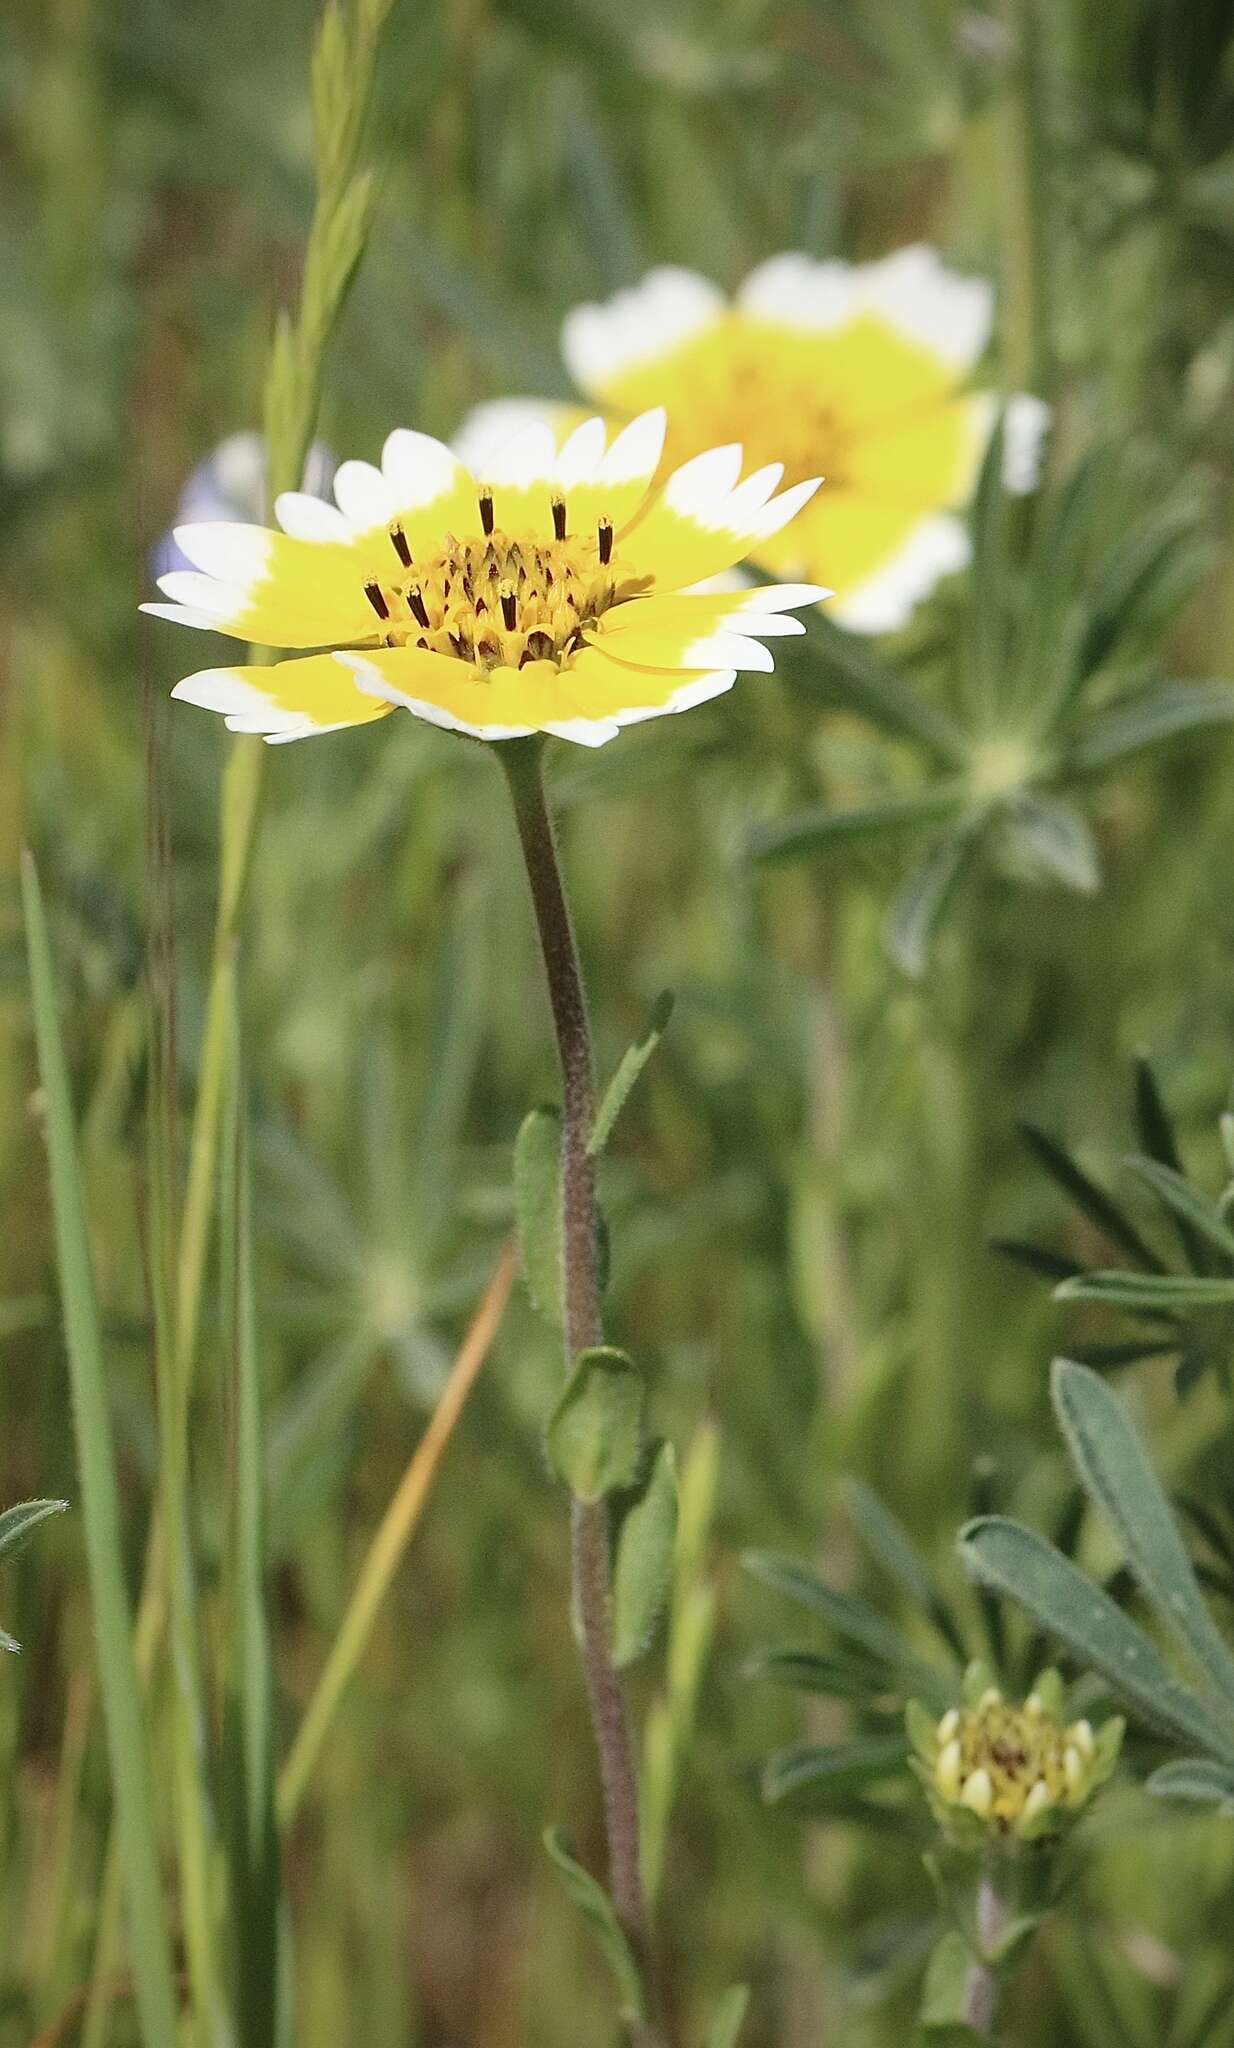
(984, 1987)
(1026, 339)
(522, 761)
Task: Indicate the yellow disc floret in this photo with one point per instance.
(502, 600)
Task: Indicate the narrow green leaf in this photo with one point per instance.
(1185, 1203)
(862, 682)
(126, 1739)
(17, 1523)
(1038, 1258)
(987, 664)
(818, 831)
(855, 1620)
(890, 1543)
(1174, 1293)
(633, 1060)
(728, 2018)
(537, 1200)
(832, 1769)
(1197, 1780)
(1164, 711)
(919, 908)
(1127, 581)
(596, 1908)
(1017, 1562)
(1116, 1470)
(644, 1562)
(1157, 1139)
(1101, 1209)
(834, 1676)
(595, 1434)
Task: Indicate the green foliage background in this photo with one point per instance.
(802, 1190)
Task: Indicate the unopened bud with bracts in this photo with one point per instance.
(995, 1770)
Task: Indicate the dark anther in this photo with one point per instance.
(373, 593)
(486, 510)
(559, 518)
(415, 604)
(605, 537)
(401, 548)
(509, 609)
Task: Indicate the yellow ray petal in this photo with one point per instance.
(450, 693)
(880, 559)
(255, 584)
(703, 521)
(924, 459)
(599, 688)
(291, 700)
(760, 610)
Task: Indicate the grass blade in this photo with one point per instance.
(254, 1835)
(130, 1763)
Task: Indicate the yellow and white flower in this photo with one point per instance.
(857, 372)
(552, 594)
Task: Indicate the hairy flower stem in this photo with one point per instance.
(589, 1526)
(984, 1986)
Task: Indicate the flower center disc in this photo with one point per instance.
(500, 601)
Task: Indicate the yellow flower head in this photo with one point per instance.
(553, 594)
(994, 1768)
(853, 372)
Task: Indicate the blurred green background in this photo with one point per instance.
(803, 1190)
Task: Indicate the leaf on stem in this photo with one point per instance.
(537, 1201)
(633, 1060)
(595, 1434)
(597, 1909)
(644, 1561)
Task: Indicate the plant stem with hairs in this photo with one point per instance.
(984, 1984)
(522, 761)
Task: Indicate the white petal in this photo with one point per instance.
(202, 593)
(364, 494)
(884, 603)
(796, 291)
(585, 732)
(727, 650)
(417, 469)
(581, 454)
(488, 427)
(700, 489)
(929, 304)
(780, 597)
(636, 326)
(182, 615)
(223, 548)
(769, 625)
(637, 449)
(244, 708)
(529, 457)
(308, 518)
(751, 495)
(785, 507)
(1027, 423)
